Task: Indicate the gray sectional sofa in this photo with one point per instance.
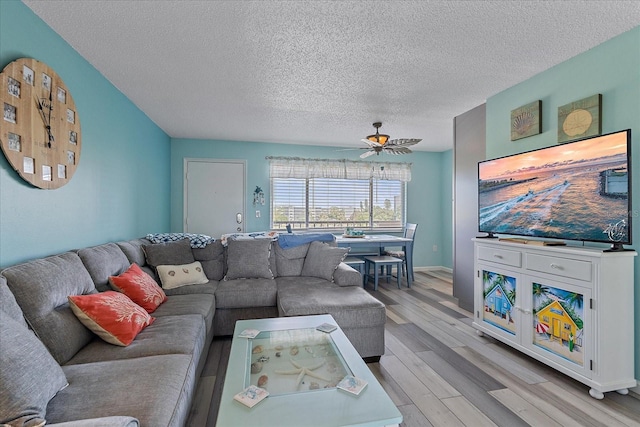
(69, 376)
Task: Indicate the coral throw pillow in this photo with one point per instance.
(140, 287)
(111, 315)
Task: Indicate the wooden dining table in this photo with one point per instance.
(380, 241)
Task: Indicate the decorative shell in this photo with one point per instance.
(257, 349)
(256, 367)
(262, 381)
(523, 123)
(294, 350)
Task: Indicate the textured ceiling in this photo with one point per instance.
(321, 72)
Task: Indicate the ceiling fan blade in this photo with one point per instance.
(367, 154)
(371, 143)
(403, 141)
(397, 150)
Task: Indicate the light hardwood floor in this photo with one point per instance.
(439, 372)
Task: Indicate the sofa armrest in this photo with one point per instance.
(114, 421)
(345, 275)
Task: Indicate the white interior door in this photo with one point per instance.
(214, 196)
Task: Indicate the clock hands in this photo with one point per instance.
(46, 118)
(49, 120)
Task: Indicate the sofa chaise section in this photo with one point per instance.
(166, 357)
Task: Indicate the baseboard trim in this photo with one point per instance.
(433, 268)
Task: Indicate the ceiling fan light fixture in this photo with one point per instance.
(378, 137)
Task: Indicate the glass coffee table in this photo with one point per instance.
(300, 367)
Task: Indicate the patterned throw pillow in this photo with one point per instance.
(174, 276)
(140, 287)
(111, 315)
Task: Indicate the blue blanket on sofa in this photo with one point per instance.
(287, 241)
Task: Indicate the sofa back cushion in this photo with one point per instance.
(102, 262)
(9, 305)
(133, 250)
(41, 288)
(212, 259)
(135, 254)
(28, 374)
(289, 262)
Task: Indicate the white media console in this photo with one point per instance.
(569, 307)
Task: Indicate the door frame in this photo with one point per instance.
(185, 193)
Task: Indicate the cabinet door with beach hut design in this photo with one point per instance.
(559, 323)
(499, 299)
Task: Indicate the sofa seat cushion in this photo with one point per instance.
(176, 305)
(103, 261)
(243, 293)
(41, 288)
(30, 377)
(167, 335)
(351, 306)
(157, 390)
(116, 421)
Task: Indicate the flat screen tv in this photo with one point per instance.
(579, 191)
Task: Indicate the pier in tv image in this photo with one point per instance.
(558, 322)
(575, 191)
(499, 293)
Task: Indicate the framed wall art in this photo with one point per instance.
(580, 119)
(526, 120)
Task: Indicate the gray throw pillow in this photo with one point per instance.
(170, 253)
(248, 259)
(29, 375)
(290, 261)
(322, 260)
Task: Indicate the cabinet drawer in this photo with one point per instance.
(571, 268)
(500, 256)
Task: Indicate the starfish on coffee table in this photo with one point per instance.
(301, 371)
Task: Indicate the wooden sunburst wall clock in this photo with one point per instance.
(40, 128)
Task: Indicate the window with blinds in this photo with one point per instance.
(335, 203)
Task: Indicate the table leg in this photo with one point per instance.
(408, 253)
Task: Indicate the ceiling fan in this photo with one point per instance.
(381, 143)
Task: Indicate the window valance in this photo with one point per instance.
(296, 167)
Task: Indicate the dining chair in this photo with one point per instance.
(409, 232)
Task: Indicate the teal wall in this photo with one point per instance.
(611, 69)
(121, 187)
(425, 195)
